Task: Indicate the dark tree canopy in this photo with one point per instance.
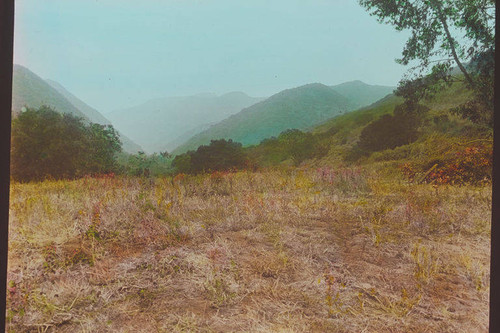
(46, 143)
(220, 155)
(445, 33)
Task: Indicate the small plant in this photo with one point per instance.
(426, 264)
(473, 271)
(333, 301)
(400, 307)
(93, 230)
(79, 255)
(17, 300)
(218, 291)
(51, 260)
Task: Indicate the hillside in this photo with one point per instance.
(161, 124)
(94, 115)
(362, 94)
(28, 89)
(299, 108)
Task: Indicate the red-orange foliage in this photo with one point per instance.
(471, 165)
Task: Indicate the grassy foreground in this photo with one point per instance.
(323, 250)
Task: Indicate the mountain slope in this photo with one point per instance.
(30, 90)
(362, 94)
(90, 112)
(94, 115)
(160, 124)
(299, 108)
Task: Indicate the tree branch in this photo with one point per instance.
(452, 46)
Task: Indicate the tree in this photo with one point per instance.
(102, 143)
(182, 163)
(46, 143)
(219, 155)
(443, 33)
(301, 146)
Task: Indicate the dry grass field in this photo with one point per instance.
(303, 250)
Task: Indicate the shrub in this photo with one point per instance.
(391, 131)
(472, 165)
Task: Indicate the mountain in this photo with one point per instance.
(94, 116)
(299, 108)
(91, 113)
(362, 94)
(29, 90)
(160, 124)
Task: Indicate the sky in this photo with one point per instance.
(114, 54)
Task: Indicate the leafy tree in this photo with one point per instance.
(102, 143)
(220, 155)
(445, 33)
(182, 163)
(46, 143)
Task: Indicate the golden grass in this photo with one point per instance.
(251, 252)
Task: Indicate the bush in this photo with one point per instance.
(471, 165)
(391, 131)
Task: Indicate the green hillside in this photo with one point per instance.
(28, 89)
(440, 131)
(298, 108)
(438, 134)
(362, 94)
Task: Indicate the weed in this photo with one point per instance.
(218, 291)
(426, 264)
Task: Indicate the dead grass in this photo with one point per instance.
(251, 252)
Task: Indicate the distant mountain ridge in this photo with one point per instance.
(28, 89)
(299, 108)
(161, 124)
(362, 94)
(318, 102)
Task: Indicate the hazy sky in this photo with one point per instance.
(118, 53)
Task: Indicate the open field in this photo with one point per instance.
(323, 250)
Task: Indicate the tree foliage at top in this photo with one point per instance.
(46, 143)
(445, 33)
